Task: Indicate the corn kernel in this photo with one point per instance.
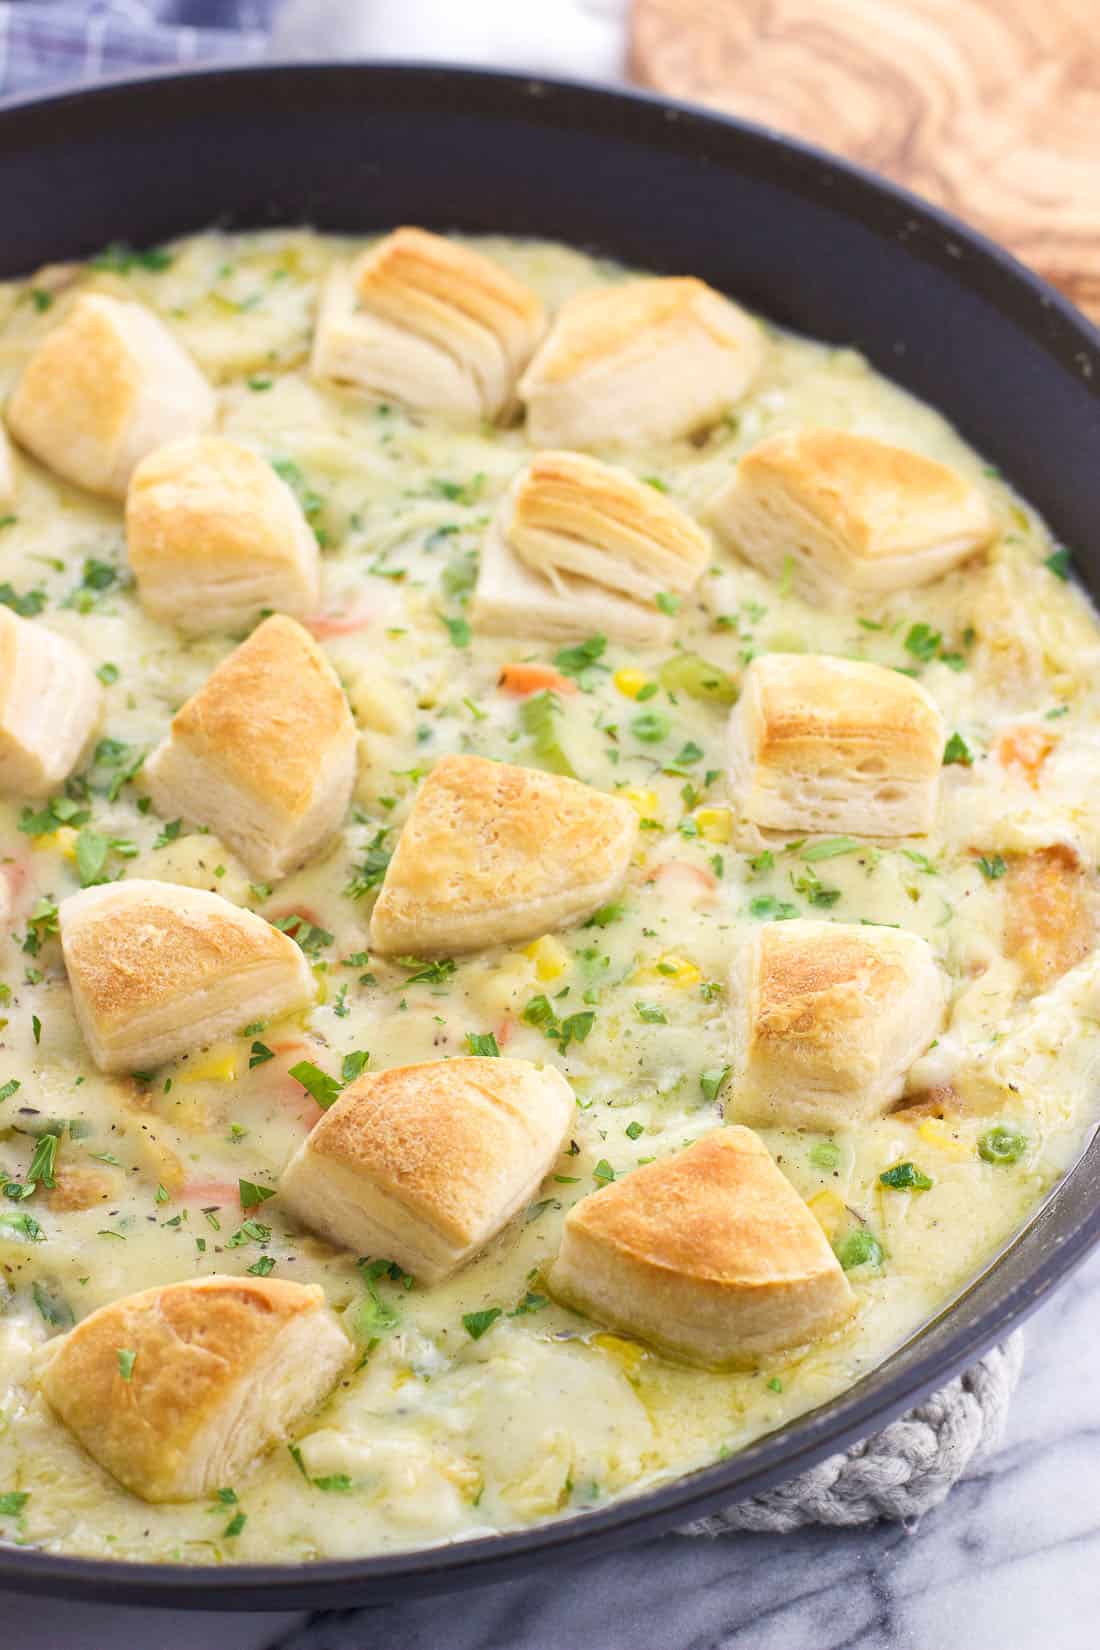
(933, 1131)
(62, 841)
(219, 1066)
(628, 1355)
(646, 804)
(549, 956)
(66, 840)
(630, 682)
(668, 969)
(677, 970)
(715, 824)
(829, 1211)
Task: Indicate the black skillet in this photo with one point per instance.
(812, 243)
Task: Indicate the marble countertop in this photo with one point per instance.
(1010, 1562)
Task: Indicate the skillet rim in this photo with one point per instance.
(1054, 325)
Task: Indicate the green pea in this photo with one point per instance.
(859, 1248)
(1002, 1144)
(650, 726)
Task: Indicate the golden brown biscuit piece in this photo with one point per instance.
(825, 744)
(849, 515)
(176, 1390)
(215, 537)
(157, 969)
(424, 1164)
(264, 753)
(104, 388)
(827, 1018)
(580, 548)
(49, 704)
(644, 361)
(710, 1255)
(431, 323)
(492, 853)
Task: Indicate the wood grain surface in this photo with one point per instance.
(989, 107)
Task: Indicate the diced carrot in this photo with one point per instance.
(504, 1032)
(209, 1193)
(276, 1079)
(356, 617)
(678, 876)
(1027, 748)
(524, 679)
(14, 872)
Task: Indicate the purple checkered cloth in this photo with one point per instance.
(65, 41)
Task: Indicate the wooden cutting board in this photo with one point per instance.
(989, 107)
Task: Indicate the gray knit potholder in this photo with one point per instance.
(901, 1472)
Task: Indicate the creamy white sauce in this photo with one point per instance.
(439, 1435)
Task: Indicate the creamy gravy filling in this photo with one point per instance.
(443, 1432)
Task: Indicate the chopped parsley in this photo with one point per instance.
(812, 888)
(27, 605)
(603, 1174)
(324, 1089)
(476, 1323)
(485, 1043)
(121, 259)
(651, 1013)
(957, 751)
(126, 1361)
(772, 909)
(905, 1177)
(711, 1081)
(831, 849)
(250, 1194)
(573, 1029)
(923, 642)
(311, 939)
(53, 1306)
(259, 1054)
(354, 1064)
(373, 869)
(250, 1231)
(992, 866)
(574, 661)
(428, 973)
(1059, 563)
